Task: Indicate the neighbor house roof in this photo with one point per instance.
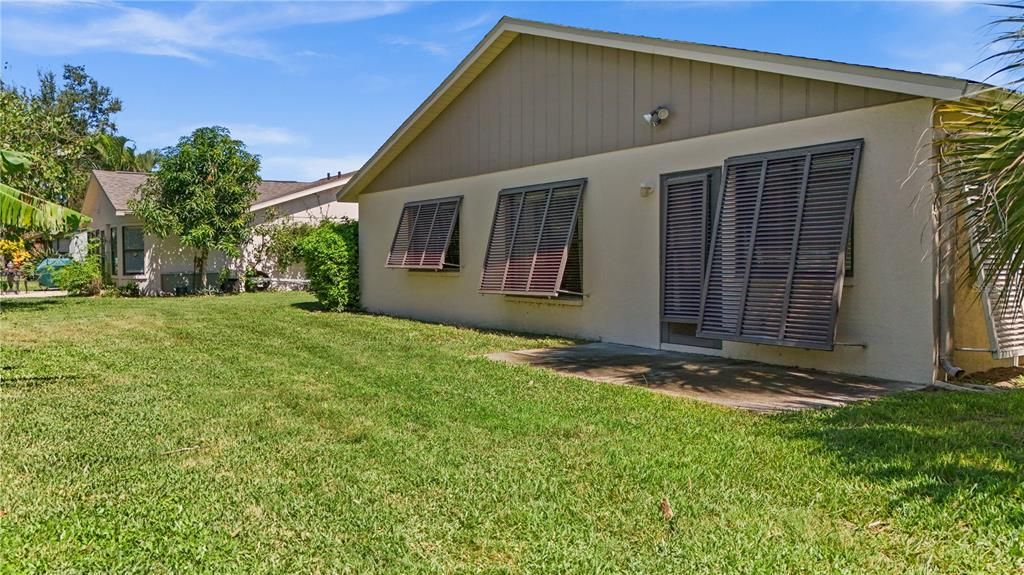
(284, 194)
(120, 187)
(507, 29)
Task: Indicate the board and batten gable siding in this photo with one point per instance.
(545, 99)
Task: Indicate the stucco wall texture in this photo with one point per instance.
(887, 306)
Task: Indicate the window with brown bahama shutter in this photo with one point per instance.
(686, 233)
(427, 236)
(535, 247)
(778, 249)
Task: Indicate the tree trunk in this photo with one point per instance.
(199, 270)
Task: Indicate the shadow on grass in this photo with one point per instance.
(29, 304)
(929, 447)
(315, 307)
(34, 381)
(309, 306)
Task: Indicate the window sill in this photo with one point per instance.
(140, 276)
(434, 273)
(571, 302)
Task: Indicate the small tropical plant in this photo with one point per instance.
(130, 289)
(14, 251)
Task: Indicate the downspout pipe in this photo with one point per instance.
(944, 249)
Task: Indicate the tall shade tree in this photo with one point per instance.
(90, 104)
(21, 212)
(202, 192)
(59, 173)
(980, 159)
(55, 124)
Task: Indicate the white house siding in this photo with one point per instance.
(310, 209)
(886, 306)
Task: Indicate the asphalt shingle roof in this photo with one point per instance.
(121, 187)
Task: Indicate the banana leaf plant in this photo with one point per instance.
(24, 212)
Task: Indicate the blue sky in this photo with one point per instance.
(318, 86)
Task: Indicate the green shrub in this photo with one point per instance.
(331, 254)
(81, 278)
(130, 289)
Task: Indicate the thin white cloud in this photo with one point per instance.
(486, 18)
(203, 30)
(308, 168)
(433, 48)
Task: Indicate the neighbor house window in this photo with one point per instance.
(134, 250)
(777, 256)
(427, 236)
(113, 251)
(535, 247)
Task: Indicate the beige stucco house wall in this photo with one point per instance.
(537, 103)
(106, 203)
(886, 305)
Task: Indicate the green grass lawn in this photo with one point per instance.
(251, 434)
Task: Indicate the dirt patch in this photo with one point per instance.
(999, 376)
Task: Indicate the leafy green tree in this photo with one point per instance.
(59, 171)
(56, 125)
(80, 96)
(202, 192)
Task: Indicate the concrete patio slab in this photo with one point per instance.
(734, 383)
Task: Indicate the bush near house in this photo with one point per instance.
(331, 255)
(81, 278)
(84, 277)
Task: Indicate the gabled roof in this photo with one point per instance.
(330, 183)
(507, 29)
(120, 187)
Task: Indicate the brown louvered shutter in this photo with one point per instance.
(424, 233)
(778, 251)
(530, 239)
(686, 236)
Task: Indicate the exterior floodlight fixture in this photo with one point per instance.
(656, 116)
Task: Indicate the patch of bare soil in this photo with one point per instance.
(1006, 377)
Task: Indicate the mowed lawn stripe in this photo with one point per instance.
(253, 434)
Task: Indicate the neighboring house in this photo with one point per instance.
(161, 265)
(537, 190)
